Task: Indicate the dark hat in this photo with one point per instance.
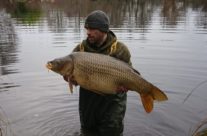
(97, 20)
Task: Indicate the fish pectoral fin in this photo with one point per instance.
(70, 83)
(70, 87)
(147, 102)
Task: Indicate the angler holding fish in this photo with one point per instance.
(101, 66)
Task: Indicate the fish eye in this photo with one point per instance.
(49, 62)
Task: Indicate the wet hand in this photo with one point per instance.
(121, 89)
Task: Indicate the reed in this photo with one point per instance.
(201, 129)
(2, 122)
(0, 132)
(5, 128)
(1, 127)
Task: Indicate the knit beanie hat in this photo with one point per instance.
(97, 20)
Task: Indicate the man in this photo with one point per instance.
(102, 115)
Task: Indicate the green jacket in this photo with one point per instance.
(103, 115)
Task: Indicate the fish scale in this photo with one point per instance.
(106, 70)
(102, 65)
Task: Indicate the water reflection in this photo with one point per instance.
(56, 21)
(8, 47)
(167, 39)
(171, 12)
(138, 13)
(26, 14)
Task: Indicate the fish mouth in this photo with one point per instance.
(49, 65)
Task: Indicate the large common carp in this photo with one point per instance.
(103, 74)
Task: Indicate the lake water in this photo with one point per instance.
(167, 40)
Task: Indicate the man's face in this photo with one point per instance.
(95, 36)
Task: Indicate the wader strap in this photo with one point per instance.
(81, 47)
(113, 48)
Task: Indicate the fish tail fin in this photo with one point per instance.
(158, 94)
(147, 101)
(148, 98)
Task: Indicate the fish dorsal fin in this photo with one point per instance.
(136, 71)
